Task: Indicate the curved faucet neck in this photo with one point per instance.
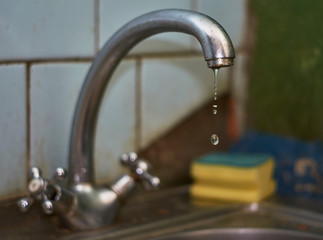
(218, 52)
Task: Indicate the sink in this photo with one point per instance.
(252, 221)
(179, 219)
(242, 234)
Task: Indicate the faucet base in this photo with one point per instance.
(93, 208)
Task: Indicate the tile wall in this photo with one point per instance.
(46, 49)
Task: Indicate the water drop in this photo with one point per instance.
(214, 139)
(215, 90)
(215, 109)
(215, 78)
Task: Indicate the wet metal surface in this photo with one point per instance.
(152, 215)
(142, 208)
(243, 234)
(31, 225)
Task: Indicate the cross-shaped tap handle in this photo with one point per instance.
(140, 170)
(41, 189)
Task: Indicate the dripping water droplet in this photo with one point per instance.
(214, 139)
(215, 78)
(215, 90)
(215, 109)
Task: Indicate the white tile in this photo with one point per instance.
(239, 90)
(171, 90)
(114, 15)
(44, 29)
(53, 96)
(116, 123)
(12, 130)
(229, 13)
(54, 92)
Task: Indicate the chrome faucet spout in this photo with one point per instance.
(218, 52)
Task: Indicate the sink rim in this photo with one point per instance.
(236, 231)
(181, 224)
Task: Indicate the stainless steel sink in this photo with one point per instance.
(255, 221)
(179, 219)
(242, 234)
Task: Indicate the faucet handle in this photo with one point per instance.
(41, 189)
(25, 203)
(140, 170)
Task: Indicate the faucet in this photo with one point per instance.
(75, 198)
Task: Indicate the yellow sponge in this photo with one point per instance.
(223, 193)
(232, 177)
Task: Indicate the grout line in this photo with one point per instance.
(138, 104)
(46, 60)
(96, 26)
(248, 38)
(90, 59)
(195, 5)
(28, 130)
(191, 53)
(248, 44)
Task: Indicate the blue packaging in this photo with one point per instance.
(299, 164)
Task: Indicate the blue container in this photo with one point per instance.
(299, 164)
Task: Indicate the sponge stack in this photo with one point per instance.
(232, 178)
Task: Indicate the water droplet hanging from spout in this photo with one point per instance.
(215, 90)
(214, 137)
